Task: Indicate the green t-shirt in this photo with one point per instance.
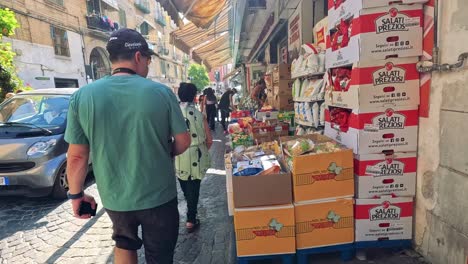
(128, 122)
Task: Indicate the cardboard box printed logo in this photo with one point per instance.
(389, 120)
(386, 211)
(332, 220)
(394, 21)
(389, 74)
(274, 228)
(334, 172)
(389, 167)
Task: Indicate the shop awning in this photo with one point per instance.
(112, 3)
(232, 74)
(191, 36)
(214, 53)
(199, 12)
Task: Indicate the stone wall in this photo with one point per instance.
(441, 222)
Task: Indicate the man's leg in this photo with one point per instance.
(223, 119)
(125, 235)
(122, 256)
(212, 117)
(160, 227)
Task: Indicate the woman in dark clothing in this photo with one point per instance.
(210, 103)
(226, 105)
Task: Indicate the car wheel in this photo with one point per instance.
(61, 184)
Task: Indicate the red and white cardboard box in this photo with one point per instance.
(377, 83)
(384, 219)
(376, 34)
(376, 130)
(382, 175)
(338, 9)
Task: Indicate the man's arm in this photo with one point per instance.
(181, 143)
(77, 158)
(231, 99)
(77, 169)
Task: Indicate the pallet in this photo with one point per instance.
(285, 258)
(362, 247)
(396, 244)
(346, 252)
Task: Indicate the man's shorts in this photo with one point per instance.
(160, 229)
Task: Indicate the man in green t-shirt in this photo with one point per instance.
(133, 128)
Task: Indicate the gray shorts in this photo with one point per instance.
(160, 229)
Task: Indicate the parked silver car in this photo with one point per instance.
(32, 147)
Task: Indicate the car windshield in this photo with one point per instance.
(35, 110)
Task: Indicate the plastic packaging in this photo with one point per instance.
(316, 114)
(299, 146)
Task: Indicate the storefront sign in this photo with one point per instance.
(42, 78)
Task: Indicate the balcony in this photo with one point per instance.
(96, 22)
(160, 20)
(143, 6)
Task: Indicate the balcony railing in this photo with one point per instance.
(160, 20)
(143, 6)
(97, 22)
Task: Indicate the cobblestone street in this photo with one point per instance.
(44, 231)
(34, 230)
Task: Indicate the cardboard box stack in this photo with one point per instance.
(323, 190)
(262, 196)
(281, 95)
(372, 99)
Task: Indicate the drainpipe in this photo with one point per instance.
(83, 49)
(434, 65)
(435, 54)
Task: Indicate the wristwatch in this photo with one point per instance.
(75, 196)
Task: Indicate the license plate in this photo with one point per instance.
(3, 181)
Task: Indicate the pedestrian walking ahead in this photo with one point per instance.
(226, 105)
(133, 127)
(192, 165)
(211, 112)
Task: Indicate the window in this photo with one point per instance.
(163, 67)
(122, 18)
(65, 83)
(93, 6)
(144, 29)
(176, 68)
(60, 39)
